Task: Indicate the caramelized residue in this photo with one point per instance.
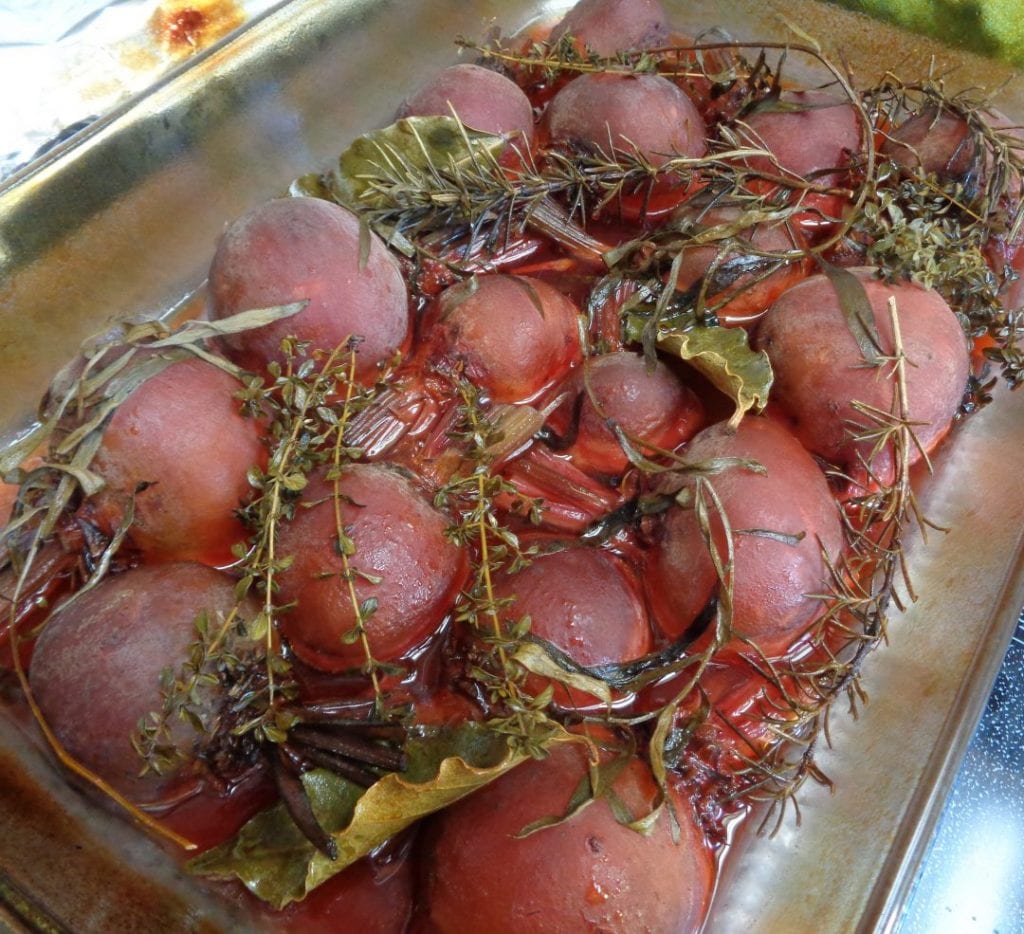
(183, 27)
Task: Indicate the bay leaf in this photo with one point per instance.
(404, 151)
(725, 357)
(272, 858)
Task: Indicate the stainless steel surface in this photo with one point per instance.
(972, 879)
(122, 220)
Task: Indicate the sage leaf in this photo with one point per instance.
(192, 331)
(857, 310)
(544, 660)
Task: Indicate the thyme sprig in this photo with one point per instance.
(306, 430)
(947, 232)
(470, 496)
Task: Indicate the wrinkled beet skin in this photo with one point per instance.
(589, 873)
(298, 249)
(607, 26)
(96, 667)
(819, 366)
(498, 337)
(647, 112)
(655, 407)
(771, 577)
(398, 536)
(483, 100)
(182, 432)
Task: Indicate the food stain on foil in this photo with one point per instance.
(183, 28)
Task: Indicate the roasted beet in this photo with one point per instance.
(98, 666)
(583, 602)
(364, 897)
(943, 142)
(400, 556)
(587, 873)
(647, 405)
(739, 287)
(646, 114)
(936, 142)
(781, 523)
(816, 134)
(512, 336)
(482, 99)
(182, 437)
(304, 249)
(610, 26)
(820, 368)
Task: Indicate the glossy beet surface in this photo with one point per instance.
(618, 392)
(582, 601)
(510, 335)
(820, 367)
(606, 26)
(589, 873)
(821, 132)
(180, 447)
(781, 521)
(96, 669)
(482, 99)
(647, 114)
(403, 560)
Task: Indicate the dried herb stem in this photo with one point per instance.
(854, 615)
(361, 609)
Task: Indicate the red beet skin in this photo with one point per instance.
(589, 873)
(398, 537)
(304, 249)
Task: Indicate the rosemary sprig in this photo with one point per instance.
(865, 582)
(550, 60)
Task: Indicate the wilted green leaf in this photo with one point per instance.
(272, 858)
(856, 308)
(541, 660)
(415, 144)
(724, 356)
(192, 331)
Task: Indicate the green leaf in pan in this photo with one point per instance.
(725, 358)
(272, 858)
(425, 144)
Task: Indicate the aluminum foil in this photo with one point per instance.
(65, 62)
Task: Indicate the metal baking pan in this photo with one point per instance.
(121, 221)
